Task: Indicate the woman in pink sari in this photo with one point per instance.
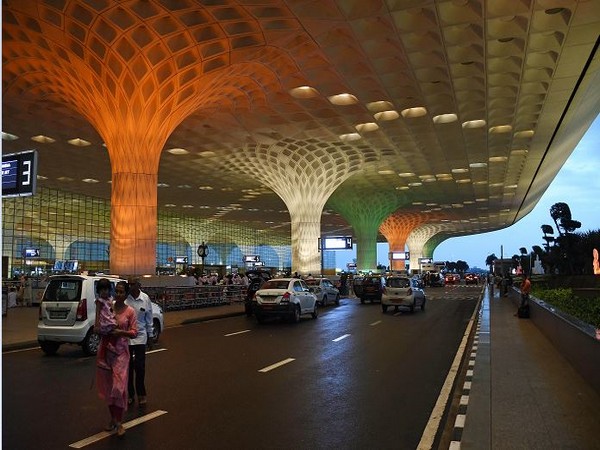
(112, 384)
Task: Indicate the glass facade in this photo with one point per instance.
(66, 226)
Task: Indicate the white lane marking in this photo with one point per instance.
(276, 365)
(340, 338)
(435, 418)
(156, 351)
(237, 332)
(375, 323)
(104, 434)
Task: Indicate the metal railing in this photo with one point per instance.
(194, 297)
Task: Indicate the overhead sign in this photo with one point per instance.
(19, 174)
(425, 260)
(251, 258)
(259, 264)
(31, 252)
(335, 243)
(181, 260)
(351, 266)
(399, 255)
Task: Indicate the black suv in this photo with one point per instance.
(368, 288)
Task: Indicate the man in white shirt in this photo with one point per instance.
(142, 305)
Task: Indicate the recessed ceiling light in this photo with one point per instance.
(474, 124)
(386, 115)
(343, 99)
(417, 203)
(524, 134)
(303, 92)
(178, 151)
(205, 188)
(65, 179)
(415, 184)
(460, 170)
(411, 113)
(478, 165)
(350, 137)
(386, 172)
(365, 127)
(380, 106)
(43, 139)
(78, 142)
(184, 186)
(402, 188)
(501, 129)
(520, 151)
(9, 137)
(170, 205)
(406, 174)
(498, 158)
(480, 183)
(207, 154)
(162, 185)
(463, 181)
(90, 180)
(41, 177)
(445, 118)
(496, 185)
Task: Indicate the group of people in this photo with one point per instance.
(21, 294)
(124, 323)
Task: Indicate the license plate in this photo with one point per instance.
(58, 314)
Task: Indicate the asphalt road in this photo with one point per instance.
(352, 379)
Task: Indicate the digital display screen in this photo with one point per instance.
(251, 258)
(9, 174)
(19, 174)
(336, 243)
(31, 252)
(400, 255)
(59, 265)
(181, 260)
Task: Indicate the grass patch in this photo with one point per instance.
(585, 309)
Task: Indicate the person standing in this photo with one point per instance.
(112, 384)
(525, 290)
(142, 305)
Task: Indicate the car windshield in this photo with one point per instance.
(276, 284)
(312, 282)
(398, 282)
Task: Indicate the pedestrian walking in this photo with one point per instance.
(142, 305)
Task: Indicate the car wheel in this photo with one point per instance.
(423, 304)
(337, 300)
(296, 314)
(49, 348)
(91, 343)
(155, 330)
(315, 312)
(384, 307)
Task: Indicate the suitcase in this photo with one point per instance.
(523, 312)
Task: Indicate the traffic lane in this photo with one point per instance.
(202, 378)
(369, 393)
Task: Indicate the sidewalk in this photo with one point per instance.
(521, 394)
(19, 326)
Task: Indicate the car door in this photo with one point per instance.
(307, 297)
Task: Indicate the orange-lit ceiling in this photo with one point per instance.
(461, 107)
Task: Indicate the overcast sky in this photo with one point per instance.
(577, 184)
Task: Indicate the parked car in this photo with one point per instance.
(368, 288)
(67, 313)
(284, 297)
(471, 278)
(324, 289)
(256, 278)
(402, 291)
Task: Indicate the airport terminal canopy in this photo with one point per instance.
(302, 115)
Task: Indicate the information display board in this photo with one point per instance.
(19, 173)
(335, 243)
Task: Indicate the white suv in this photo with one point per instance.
(324, 289)
(67, 313)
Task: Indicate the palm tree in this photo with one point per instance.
(489, 261)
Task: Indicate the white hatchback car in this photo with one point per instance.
(287, 297)
(402, 291)
(67, 313)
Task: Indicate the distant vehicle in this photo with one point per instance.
(324, 289)
(284, 297)
(402, 291)
(368, 287)
(471, 278)
(67, 313)
(436, 279)
(452, 278)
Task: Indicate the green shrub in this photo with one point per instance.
(585, 309)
